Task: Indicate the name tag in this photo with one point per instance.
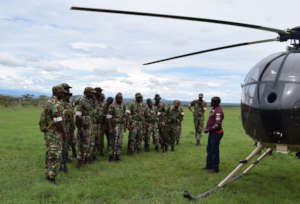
(58, 119)
(108, 116)
(78, 113)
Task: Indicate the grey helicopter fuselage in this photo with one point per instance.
(270, 104)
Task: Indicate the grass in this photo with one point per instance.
(144, 178)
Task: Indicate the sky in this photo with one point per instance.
(44, 43)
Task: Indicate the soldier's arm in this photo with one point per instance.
(190, 106)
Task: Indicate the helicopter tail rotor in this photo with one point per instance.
(214, 49)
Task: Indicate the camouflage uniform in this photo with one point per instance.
(69, 124)
(151, 127)
(105, 125)
(199, 109)
(116, 112)
(162, 125)
(53, 113)
(99, 121)
(174, 116)
(84, 133)
(179, 126)
(137, 122)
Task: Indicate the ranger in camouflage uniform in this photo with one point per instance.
(161, 114)
(137, 121)
(84, 124)
(151, 128)
(99, 122)
(68, 115)
(108, 102)
(174, 116)
(52, 124)
(199, 109)
(116, 126)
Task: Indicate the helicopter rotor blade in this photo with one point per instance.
(279, 31)
(214, 49)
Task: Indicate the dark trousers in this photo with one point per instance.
(212, 149)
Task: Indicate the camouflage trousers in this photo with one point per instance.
(116, 140)
(199, 123)
(151, 131)
(84, 140)
(93, 140)
(135, 137)
(69, 140)
(163, 135)
(53, 153)
(99, 138)
(178, 135)
(171, 134)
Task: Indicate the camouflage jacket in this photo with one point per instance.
(116, 112)
(161, 110)
(174, 116)
(99, 115)
(53, 112)
(68, 112)
(151, 114)
(199, 107)
(137, 111)
(85, 107)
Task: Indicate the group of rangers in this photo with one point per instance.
(94, 117)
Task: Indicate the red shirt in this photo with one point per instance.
(215, 119)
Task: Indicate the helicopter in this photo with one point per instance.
(270, 102)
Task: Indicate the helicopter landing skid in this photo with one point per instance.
(231, 177)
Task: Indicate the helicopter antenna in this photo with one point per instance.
(214, 49)
(279, 31)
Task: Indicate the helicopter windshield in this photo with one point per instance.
(255, 72)
(272, 70)
(291, 68)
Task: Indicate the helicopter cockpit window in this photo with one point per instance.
(291, 69)
(255, 72)
(248, 94)
(272, 70)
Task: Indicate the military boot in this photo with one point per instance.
(51, 180)
(74, 155)
(172, 148)
(177, 142)
(79, 163)
(198, 142)
(156, 148)
(111, 158)
(65, 168)
(118, 157)
(166, 148)
(147, 148)
(101, 154)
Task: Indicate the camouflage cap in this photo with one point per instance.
(65, 86)
(89, 90)
(98, 89)
(119, 95)
(201, 95)
(157, 96)
(138, 95)
(58, 89)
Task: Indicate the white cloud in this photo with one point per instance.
(55, 45)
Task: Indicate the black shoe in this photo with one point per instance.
(118, 158)
(156, 148)
(198, 143)
(172, 148)
(111, 158)
(74, 155)
(51, 180)
(65, 168)
(166, 148)
(101, 154)
(177, 142)
(79, 164)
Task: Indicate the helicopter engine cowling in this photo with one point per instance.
(270, 104)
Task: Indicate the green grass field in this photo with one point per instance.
(145, 178)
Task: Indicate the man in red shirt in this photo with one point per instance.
(215, 130)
